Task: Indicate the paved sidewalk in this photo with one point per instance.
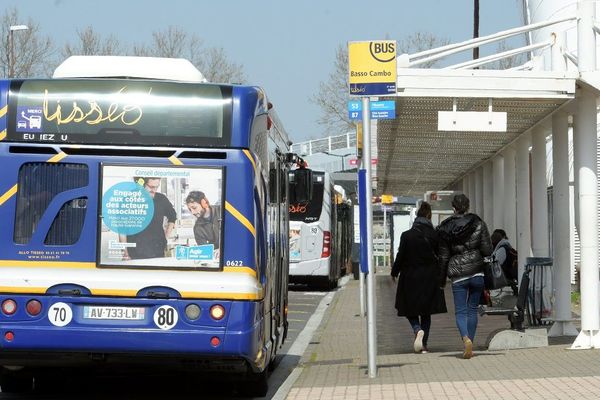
(334, 365)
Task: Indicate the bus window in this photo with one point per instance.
(117, 112)
(310, 211)
(38, 184)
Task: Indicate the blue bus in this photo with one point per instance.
(144, 222)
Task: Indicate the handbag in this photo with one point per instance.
(494, 277)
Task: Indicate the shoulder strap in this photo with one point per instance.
(511, 254)
(427, 240)
(508, 248)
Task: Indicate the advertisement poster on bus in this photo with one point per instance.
(295, 238)
(161, 217)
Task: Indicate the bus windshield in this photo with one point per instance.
(119, 112)
(311, 211)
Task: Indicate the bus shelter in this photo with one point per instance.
(508, 138)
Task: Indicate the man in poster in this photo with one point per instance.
(152, 241)
(207, 228)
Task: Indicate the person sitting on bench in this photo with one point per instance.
(506, 256)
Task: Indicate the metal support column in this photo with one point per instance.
(585, 152)
(539, 194)
(561, 205)
(585, 148)
(472, 190)
(510, 195)
(560, 228)
(361, 276)
(498, 192)
(488, 196)
(361, 293)
(371, 321)
(385, 236)
(478, 202)
(523, 199)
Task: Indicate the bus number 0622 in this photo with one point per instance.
(234, 263)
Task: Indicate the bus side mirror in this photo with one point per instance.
(301, 185)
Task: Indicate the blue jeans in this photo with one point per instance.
(466, 299)
(424, 324)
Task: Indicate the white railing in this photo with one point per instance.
(326, 144)
(423, 57)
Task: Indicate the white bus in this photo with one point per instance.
(441, 204)
(318, 249)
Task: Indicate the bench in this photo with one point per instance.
(516, 315)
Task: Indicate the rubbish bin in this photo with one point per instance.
(539, 307)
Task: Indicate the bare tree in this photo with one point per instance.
(506, 63)
(91, 43)
(217, 68)
(172, 43)
(32, 51)
(332, 97)
(420, 41)
(176, 43)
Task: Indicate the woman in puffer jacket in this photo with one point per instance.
(464, 242)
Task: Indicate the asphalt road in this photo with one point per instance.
(303, 301)
(302, 304)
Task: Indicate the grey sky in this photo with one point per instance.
(286, 47)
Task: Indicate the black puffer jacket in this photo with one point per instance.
(464, 242)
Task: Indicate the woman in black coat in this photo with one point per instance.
(419, 294)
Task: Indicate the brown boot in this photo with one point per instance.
(468, 353)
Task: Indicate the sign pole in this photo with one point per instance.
(361, 288)
(385, 256)
(362, 213)
(364, 58)
(361, 275)
(366, 165)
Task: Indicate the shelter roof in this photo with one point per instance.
(413, 156)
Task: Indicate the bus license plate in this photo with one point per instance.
(116, 313)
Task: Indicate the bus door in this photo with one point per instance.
(278, 194)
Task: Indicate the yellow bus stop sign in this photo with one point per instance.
(387, 199)
(372, 68)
